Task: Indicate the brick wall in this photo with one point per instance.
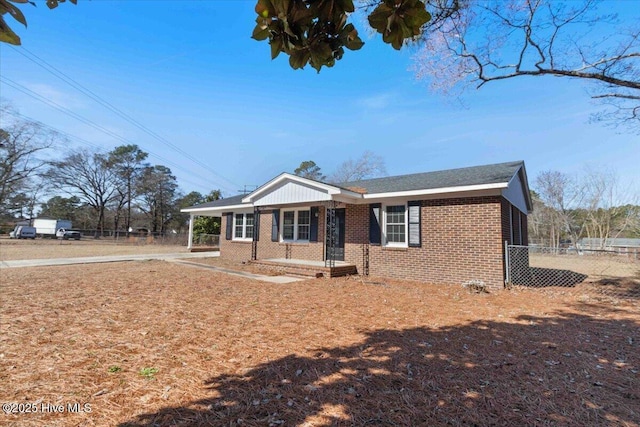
(241, 251)
(356, 239)
(462, 239)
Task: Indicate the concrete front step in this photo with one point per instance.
(307, 270)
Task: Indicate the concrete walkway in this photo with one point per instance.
(171, 257)
(106, 258)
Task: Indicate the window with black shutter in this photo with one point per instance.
(415, 236)
(375, 235)
(229, 228)
(275, 225)
(313, 229)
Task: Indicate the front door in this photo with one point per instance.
(339, 236)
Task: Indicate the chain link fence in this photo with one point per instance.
(180, 238)
(206, 240)
(136, 237)
(615, 273)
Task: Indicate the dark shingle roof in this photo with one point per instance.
(233, 200)
(475, 175)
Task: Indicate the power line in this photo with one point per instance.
(85, 142)
(88, 122)
(87, 92)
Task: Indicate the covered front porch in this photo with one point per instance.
(308, 268)
(291, 225)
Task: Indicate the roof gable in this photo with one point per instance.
(516, 193)
(289, 189)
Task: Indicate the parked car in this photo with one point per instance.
(65, 234)
(23, 232)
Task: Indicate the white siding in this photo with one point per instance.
(514, 193)
(291, 192)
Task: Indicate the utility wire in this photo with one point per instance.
(87, 92)
(88, 122)
(85, 142)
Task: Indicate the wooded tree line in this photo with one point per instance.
(95, 189)
(119, 189)
(594, 204)
(111, 190)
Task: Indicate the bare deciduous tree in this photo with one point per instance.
(482, 42)
(608, 209)
(86, 174)
(561, 195)
(369, 165)
(21, 144)
(595, 205)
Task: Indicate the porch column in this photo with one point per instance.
(190, 244)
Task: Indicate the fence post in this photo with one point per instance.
(507, 279)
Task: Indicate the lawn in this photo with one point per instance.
(50, 248)
(155, 343)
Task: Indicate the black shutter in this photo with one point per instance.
(256, 224)
(274, 225)
(375, 237)
(415, 237)
(313, 228)
(229, 233)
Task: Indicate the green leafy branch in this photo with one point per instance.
(6, 6)
(316, 32)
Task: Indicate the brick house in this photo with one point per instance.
(441, 227)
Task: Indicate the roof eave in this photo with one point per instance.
(217, 208)
(435, 191)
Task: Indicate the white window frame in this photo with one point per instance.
(296, 213)
(243, 215)
(386, 242)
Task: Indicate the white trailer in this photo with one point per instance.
(49, 227)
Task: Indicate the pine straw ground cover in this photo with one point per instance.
(160, 344)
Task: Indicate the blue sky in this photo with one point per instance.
(189, 71)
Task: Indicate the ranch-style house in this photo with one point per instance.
(446, 226)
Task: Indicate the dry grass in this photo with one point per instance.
(49, 248)
(235, 352)
(594, 266)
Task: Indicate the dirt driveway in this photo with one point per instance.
(153, 343)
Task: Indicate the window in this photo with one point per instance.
(396, 225)
(288, 225)
(243, 226)
(248, 226)
(296, 225)
(304, 225)
(239, 226)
